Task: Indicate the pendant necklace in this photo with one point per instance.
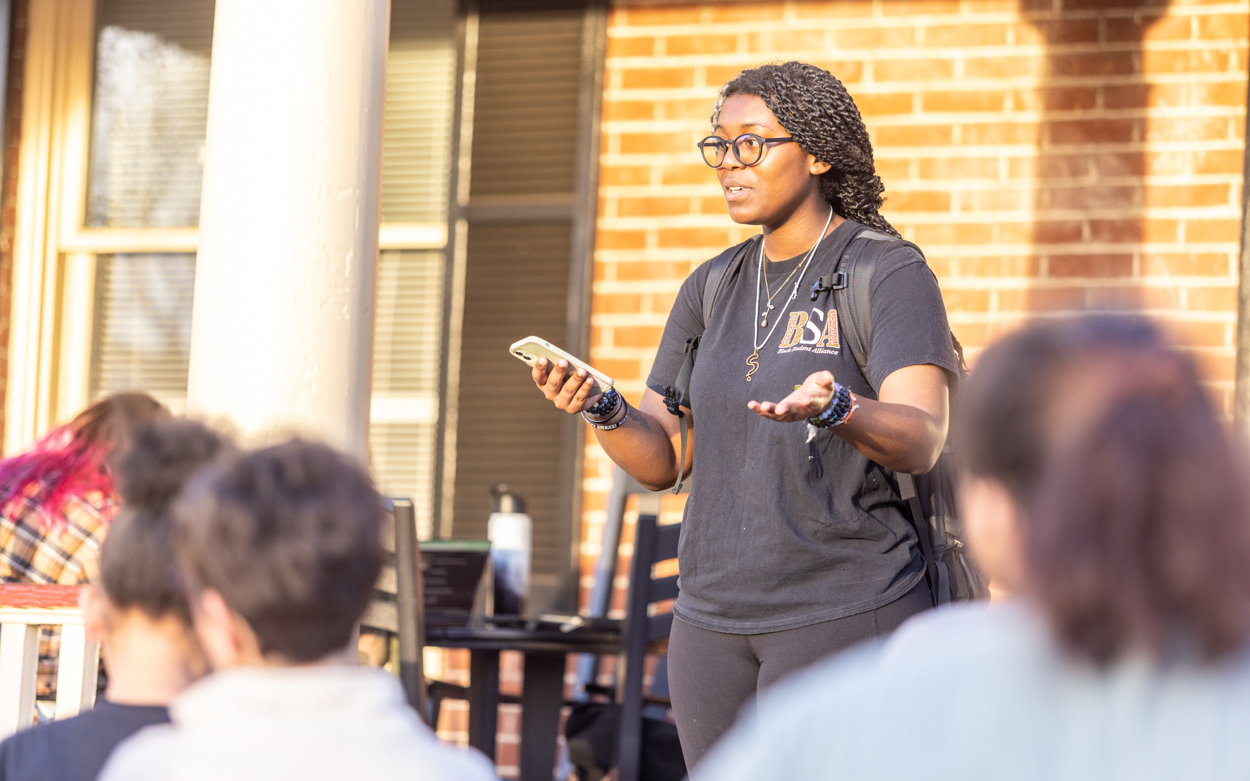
(753, 361)
(771, 295)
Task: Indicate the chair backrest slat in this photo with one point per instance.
(666, 541)
(662, 589)
(19, 656)
(77, 670)
(652, 544)
(659, 627)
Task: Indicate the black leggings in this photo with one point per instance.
(712, 675)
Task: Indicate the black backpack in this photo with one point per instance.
(931, 497)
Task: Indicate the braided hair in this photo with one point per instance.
(822, 117)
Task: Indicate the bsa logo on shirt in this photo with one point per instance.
(817, 333)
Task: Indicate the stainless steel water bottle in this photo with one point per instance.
(511, 535)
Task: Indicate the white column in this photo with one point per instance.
(282, 330)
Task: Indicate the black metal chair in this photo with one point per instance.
(644, 633)
(399, 606)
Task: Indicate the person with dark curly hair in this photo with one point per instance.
(796, 542)
(280, 549)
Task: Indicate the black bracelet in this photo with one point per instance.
(840, 408)
(605, 407)
(609, 426)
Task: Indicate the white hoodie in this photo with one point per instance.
(305, 723)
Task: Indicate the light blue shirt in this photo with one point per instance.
(982, 692)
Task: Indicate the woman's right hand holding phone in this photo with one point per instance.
(647, 448)
(568, 390)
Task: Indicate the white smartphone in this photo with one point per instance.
(531, 348)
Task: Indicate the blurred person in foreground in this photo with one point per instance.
(135, 610)
(1105, 491)
(282, 548)
(57, 500)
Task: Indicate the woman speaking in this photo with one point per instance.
(795, 542)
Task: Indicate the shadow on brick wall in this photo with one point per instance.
(1090, 222)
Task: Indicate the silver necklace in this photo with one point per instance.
(754, 360)
(771, 295)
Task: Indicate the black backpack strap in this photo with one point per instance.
(721, 267)
(722, 264)
(852, 294)
(935, 569)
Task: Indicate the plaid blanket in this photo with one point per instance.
(65, 552)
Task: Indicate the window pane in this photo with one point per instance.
(143, 325)
(526, 100)
(420, 80)
(143, 340)
(516, 284)
(406, 353)
(149, 113)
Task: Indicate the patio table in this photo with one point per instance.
(542, 693)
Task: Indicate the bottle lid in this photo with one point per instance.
(504, 501)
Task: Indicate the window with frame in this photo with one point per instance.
(148, 120)
(474, 239)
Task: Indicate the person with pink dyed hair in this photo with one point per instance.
(57, 499)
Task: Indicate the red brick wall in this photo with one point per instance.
(1048, 155)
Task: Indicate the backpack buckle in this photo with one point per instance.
(835, 281)
(672, 400)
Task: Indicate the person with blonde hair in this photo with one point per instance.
(1104, 490)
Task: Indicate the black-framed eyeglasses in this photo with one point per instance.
(748, 148)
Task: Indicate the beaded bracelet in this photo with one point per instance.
(609, 426)
(605, 407)
(841, 407)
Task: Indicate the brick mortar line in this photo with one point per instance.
(696, 130)
(1144, 281)
(954, 84)
(637, 126)
(1014, 152)
(1190, 316)
(976, 151)
(1015, 284)
(903, 21)
(983, 150)
(696, 254)
(911, 92)
(967, 215)
(940, 185)
(678, 254)
(667, 286)
(1039, 117)
(729, 29)
(920, 51)
(1222, 211)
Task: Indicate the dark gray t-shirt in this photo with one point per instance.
(781, 533)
